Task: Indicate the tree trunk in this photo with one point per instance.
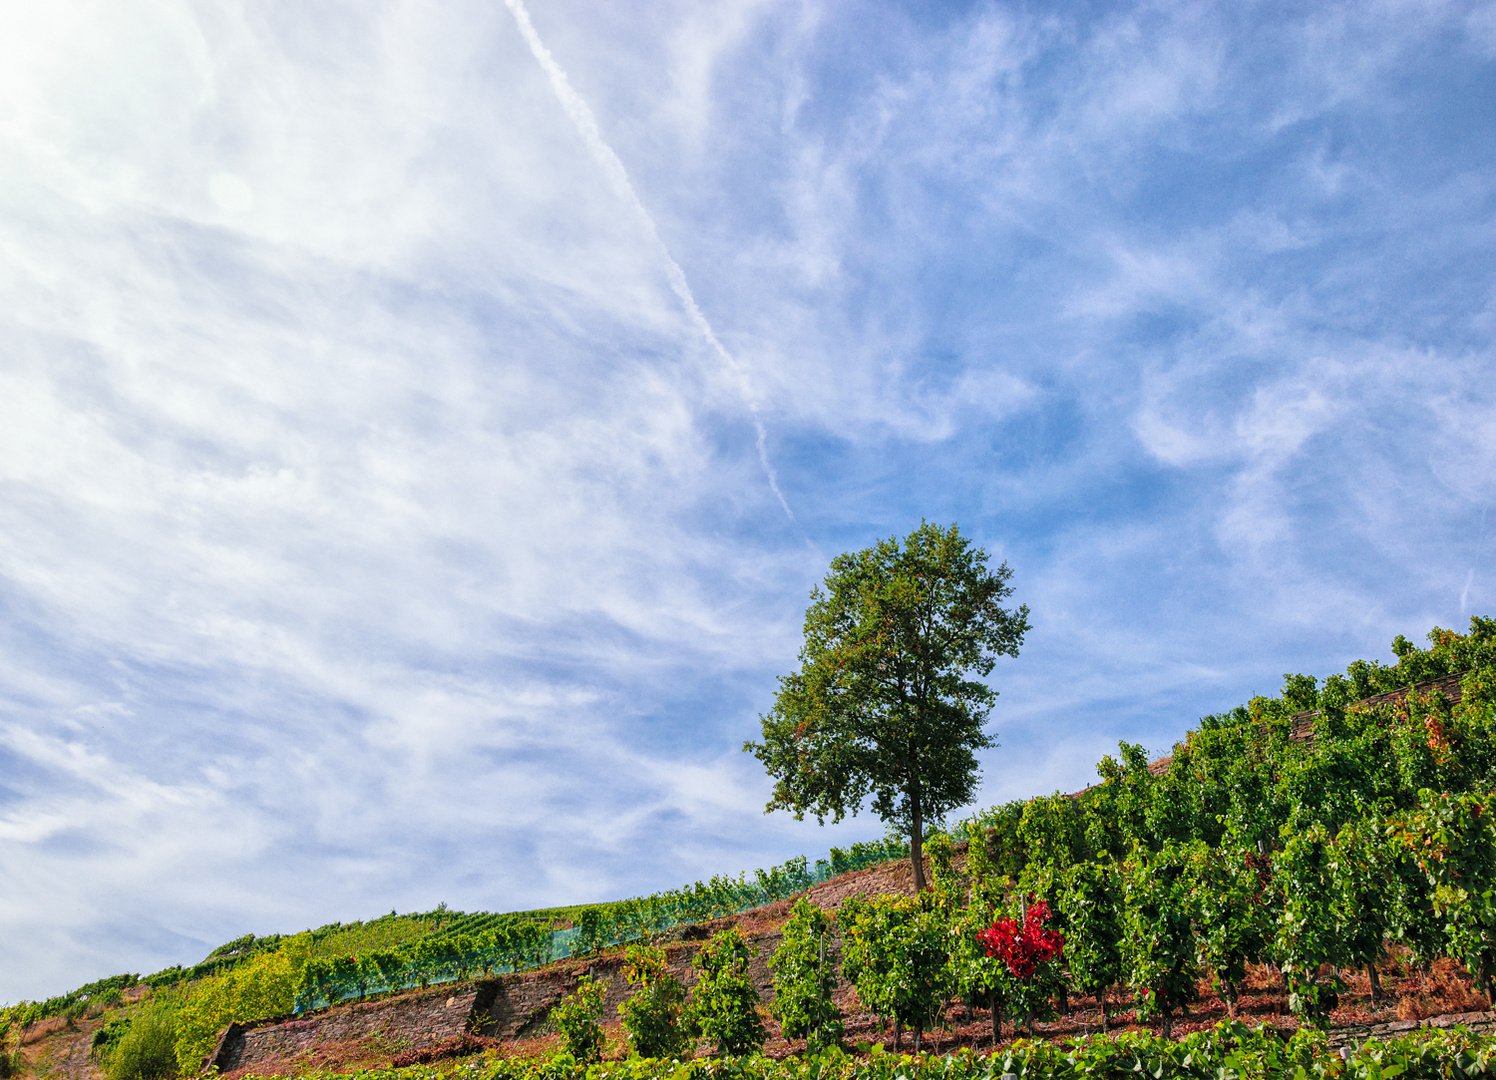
(919, 1032)
(1376, 984)
(917, 841)
(1106, 1021)
(897, 1033)
(997, 1023)
(1230, 997)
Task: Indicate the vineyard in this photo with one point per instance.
(1310, 830)
(1310, 835)
(394, 952)
(472, 944)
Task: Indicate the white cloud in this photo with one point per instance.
(380, 527)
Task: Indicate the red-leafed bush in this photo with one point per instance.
(1023, 948)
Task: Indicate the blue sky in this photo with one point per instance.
(421, 425)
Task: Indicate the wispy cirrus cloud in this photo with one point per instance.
(379, 525)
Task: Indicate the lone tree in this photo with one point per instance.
(885, 703)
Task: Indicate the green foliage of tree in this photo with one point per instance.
(724, 1003)
(576, 1018)
(887, 702)
(896, 951)
(804, 979)
(653, 1016)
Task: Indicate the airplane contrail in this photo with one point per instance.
(612, 167)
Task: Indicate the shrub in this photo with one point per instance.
(108, 1037)
(1309, 933)
(724, 1005)
(803, 980)
(1458, 855)
(1232, 906)
(1364, 879)
(1158, 943)
(594, 928)
(577, 1017)
(147, 1049)
(263, 986)
(1029, 952)
(652, 1016)
(1091, 902)
(980, 979)
(896, 952)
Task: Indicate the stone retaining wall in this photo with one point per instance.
(411, 1020)
(522, 1002)
(1481, 1022)
(504, 1007)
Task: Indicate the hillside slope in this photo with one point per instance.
(1371, 757)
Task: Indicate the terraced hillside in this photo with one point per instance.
(1321, 858)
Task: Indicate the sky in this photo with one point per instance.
(422, 425)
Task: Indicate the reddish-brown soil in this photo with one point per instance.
(60, 1048)
(1408, 996)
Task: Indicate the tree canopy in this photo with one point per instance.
(887, 702)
